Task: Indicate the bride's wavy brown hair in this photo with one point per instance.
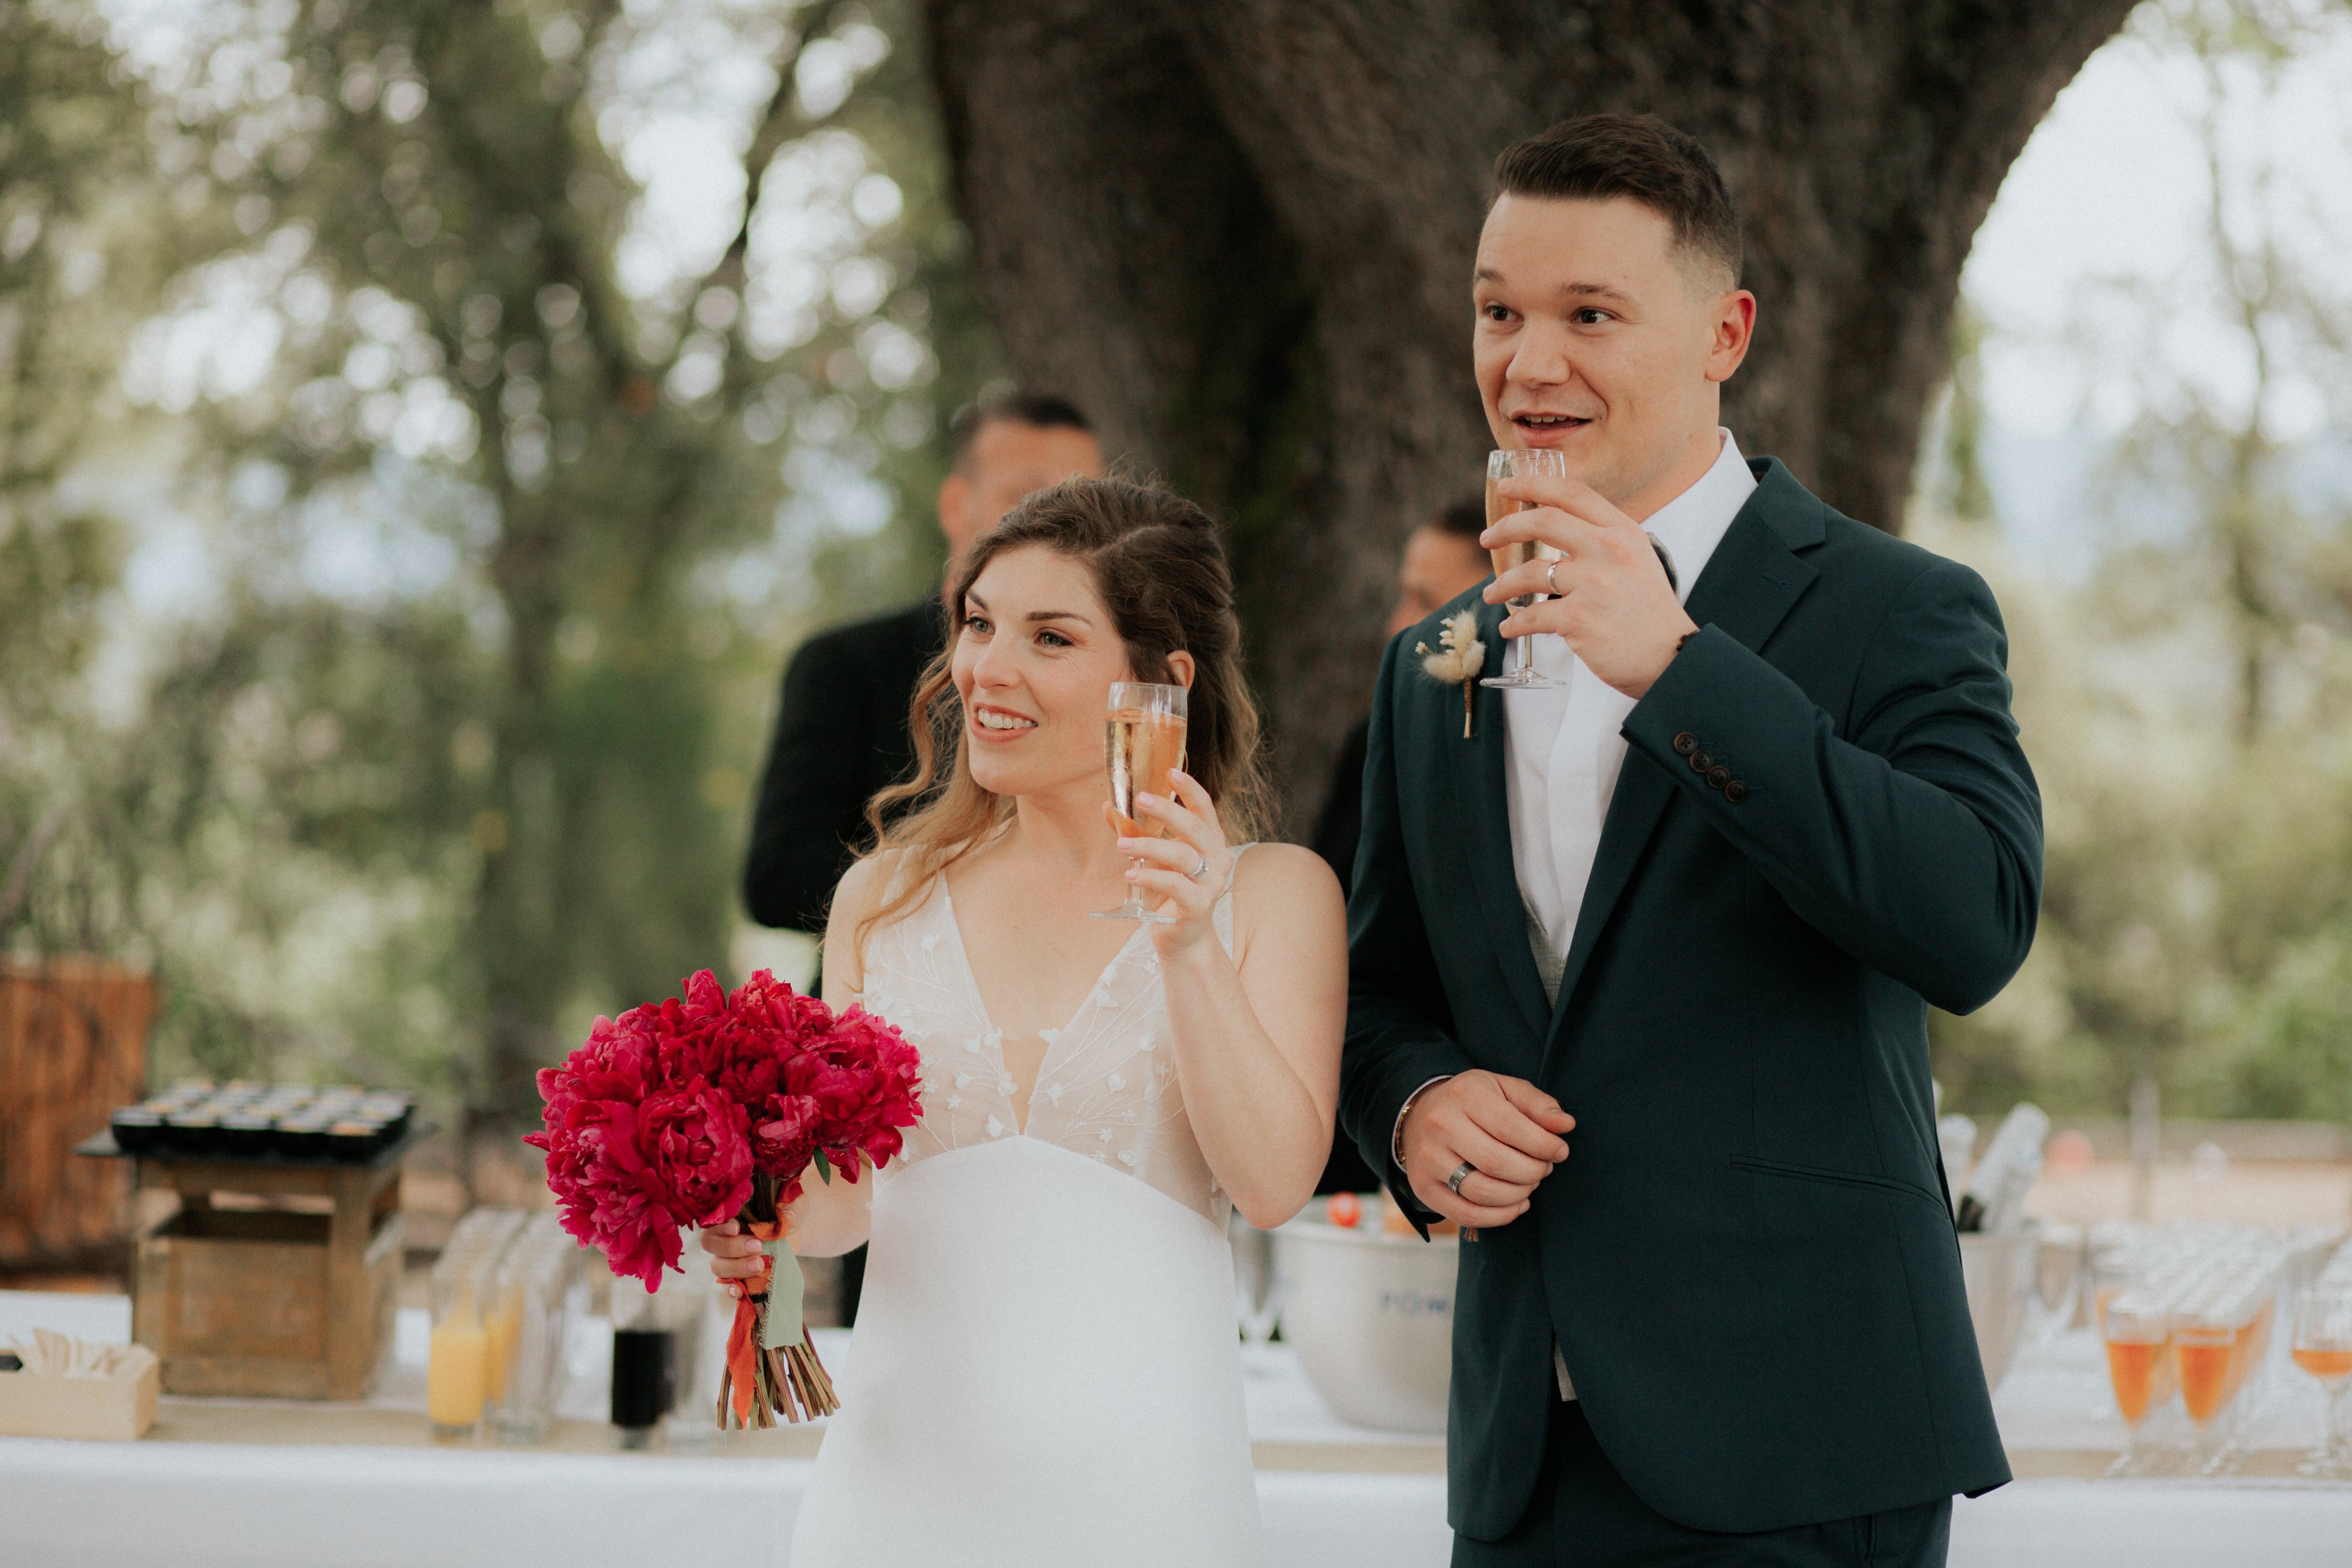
(1160, 570)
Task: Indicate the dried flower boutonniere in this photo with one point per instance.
(1461, 657)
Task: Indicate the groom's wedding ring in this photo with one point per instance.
(1454, 1182)
(1548, 578)
(1197, 872)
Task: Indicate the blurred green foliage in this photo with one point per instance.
(500, 505)
(2187, 709)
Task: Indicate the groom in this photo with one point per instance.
(1692, 905)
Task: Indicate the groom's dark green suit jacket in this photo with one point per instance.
(1823, 823)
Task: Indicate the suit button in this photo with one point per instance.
(1735, 791)
(1700, 761)
(1718, 775)
(1686, 743)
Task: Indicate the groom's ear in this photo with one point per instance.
(1733, 329)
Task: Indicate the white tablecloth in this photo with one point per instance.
(236, 1505)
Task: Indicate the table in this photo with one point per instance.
(253, 1484)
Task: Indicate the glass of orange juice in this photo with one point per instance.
(2323, 1348)
(2138, 1334)
(2207, 1346)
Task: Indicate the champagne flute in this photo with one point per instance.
(2138, 1331)
(1144, 739)
(2205, 1349)
(1520, 464)
(2323, 1348)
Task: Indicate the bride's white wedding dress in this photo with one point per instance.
(1045, 1370)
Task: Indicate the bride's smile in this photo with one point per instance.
(1034, 658)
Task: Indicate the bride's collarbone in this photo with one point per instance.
(1035, 959)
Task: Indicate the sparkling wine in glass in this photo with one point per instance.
(1144, 739)
(1520, 464)
(2323, 1349)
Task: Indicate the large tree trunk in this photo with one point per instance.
(1239, 231)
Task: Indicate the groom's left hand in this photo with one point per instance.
(1615, 608)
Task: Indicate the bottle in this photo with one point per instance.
(1955, 1140)
(1995, 1200)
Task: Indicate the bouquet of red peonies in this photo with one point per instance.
(696, 1112)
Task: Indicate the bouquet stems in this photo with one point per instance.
(771, 1364)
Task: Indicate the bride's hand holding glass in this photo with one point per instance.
(1186, 868)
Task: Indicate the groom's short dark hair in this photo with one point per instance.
(1638, 156)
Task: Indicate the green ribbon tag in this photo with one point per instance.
(779, 1325)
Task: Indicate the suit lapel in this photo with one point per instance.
(1750, 583)
(1481, 801)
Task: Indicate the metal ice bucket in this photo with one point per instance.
(1370, 1316)
(2000, 1272)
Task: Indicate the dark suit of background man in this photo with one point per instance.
(1691, 906)
(1442, 560)
(841, 727)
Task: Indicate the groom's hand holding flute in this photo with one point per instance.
(1611, 601)
(1507, 1130)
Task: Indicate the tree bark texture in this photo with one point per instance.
(1240, 232)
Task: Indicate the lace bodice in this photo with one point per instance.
(1107, 1088)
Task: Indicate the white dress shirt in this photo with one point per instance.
(1562, 746)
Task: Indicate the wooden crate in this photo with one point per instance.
(73, 1046)
(264, 1301)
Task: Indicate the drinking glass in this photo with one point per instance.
(462, 1353)
(2137, 1330)
(1521, 465)
(1257, 1289)
(645, 1362)
(2058, 1277)
(2205, 1344)
(545, 1267)
(1144, 739)
(2323, 1348)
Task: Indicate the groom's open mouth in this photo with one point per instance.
(1536, 427)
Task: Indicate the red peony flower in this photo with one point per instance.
(783, 1138)
(695, 1145)
(607, 1196)
(668, 1116)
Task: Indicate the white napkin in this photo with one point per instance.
(48, 1353)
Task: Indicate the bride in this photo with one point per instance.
(1045, 1369)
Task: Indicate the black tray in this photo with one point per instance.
(101, 1146)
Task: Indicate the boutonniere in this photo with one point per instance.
(1460, 657)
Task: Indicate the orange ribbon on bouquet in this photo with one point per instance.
(743, 1351)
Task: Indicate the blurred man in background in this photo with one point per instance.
(1442, 560)
(841, 727)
